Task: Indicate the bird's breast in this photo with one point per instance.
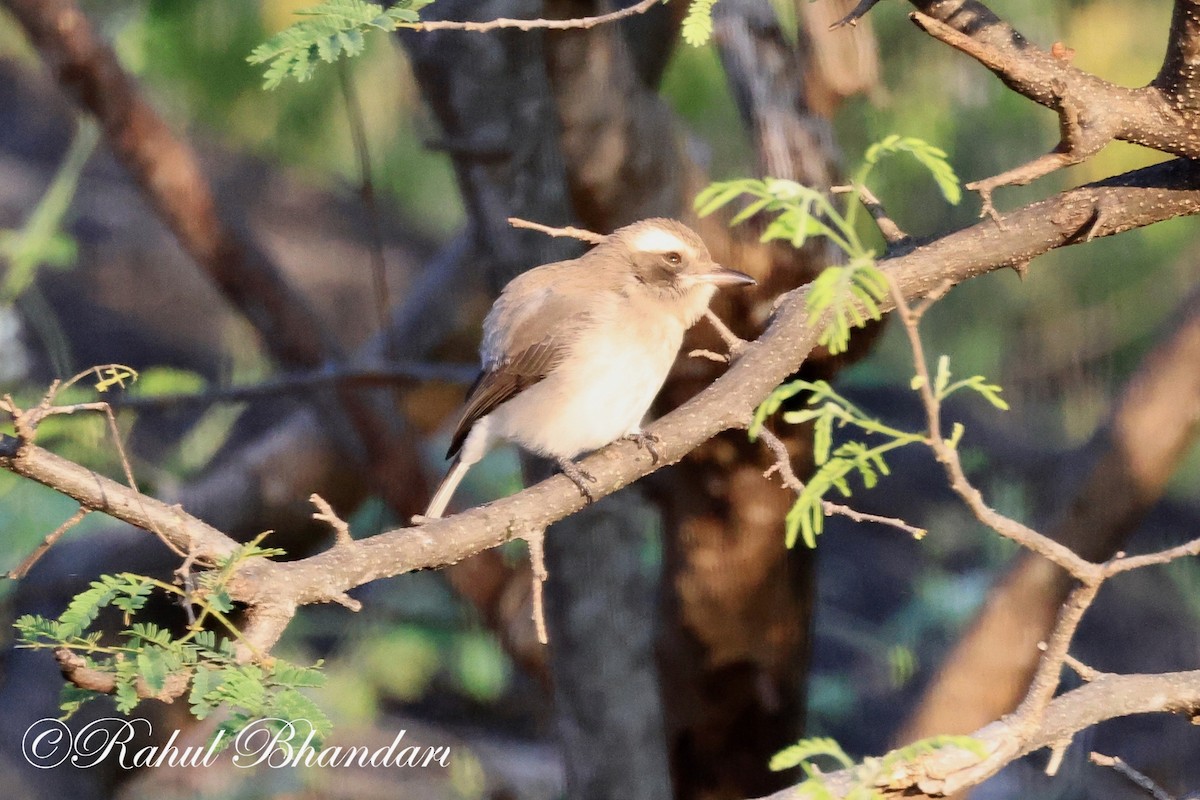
(599, 392)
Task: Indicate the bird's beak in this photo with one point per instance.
(722, 276)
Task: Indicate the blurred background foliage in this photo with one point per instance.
(1060, 342)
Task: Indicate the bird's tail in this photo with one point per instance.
(441, 498)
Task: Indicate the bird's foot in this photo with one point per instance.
(579, 477)
(647, 442)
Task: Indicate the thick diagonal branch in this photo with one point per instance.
(1140, 198)
(1092, 111)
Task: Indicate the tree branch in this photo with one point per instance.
(946, 771)
(1139, 198)
(1180, 71)
(1092, 111)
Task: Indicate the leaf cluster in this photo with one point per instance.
(828, 411)
(327, 32)
(850, 294)
(868, 775)
(697, 23)
(199, 660)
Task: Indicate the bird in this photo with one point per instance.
(574, 352)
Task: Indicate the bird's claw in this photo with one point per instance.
(647, 441)
(580, 477)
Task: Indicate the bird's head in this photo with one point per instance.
(669, 260)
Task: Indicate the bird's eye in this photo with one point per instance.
(674, 259)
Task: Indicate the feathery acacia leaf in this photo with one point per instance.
(326, 33)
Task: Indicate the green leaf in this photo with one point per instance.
(806, 750)
(932, 158)
(840, 290)
(942, 378)
(126, 696)
(133, 593)
(71, 698)
(325, 33)
(924, 747)
(206, 684)
(153, 668)
(85, 607)
(698, 24)
(719, 194)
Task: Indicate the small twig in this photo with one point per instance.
(861, 516)
(1085, 673)
(532, 24)
(326, 514)
(783, 460)
(891, 232)
(23, 569)
(574, 233)
(1077, 142)
(26, 423)
(709, 354)
(1135, 777)
(1123, 563)
(857, 13)
(1019, 176)
(783, 465)
(537, 560)
(947, 456)
(735, 343)
(187, 580)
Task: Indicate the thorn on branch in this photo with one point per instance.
(1057, 752)
(343, 599)
(1085, 673)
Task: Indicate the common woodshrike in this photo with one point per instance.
(574, 352)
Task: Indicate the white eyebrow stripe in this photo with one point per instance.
(656, 240)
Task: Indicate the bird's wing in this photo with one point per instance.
(526, 335)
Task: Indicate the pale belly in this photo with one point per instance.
(602, 395)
